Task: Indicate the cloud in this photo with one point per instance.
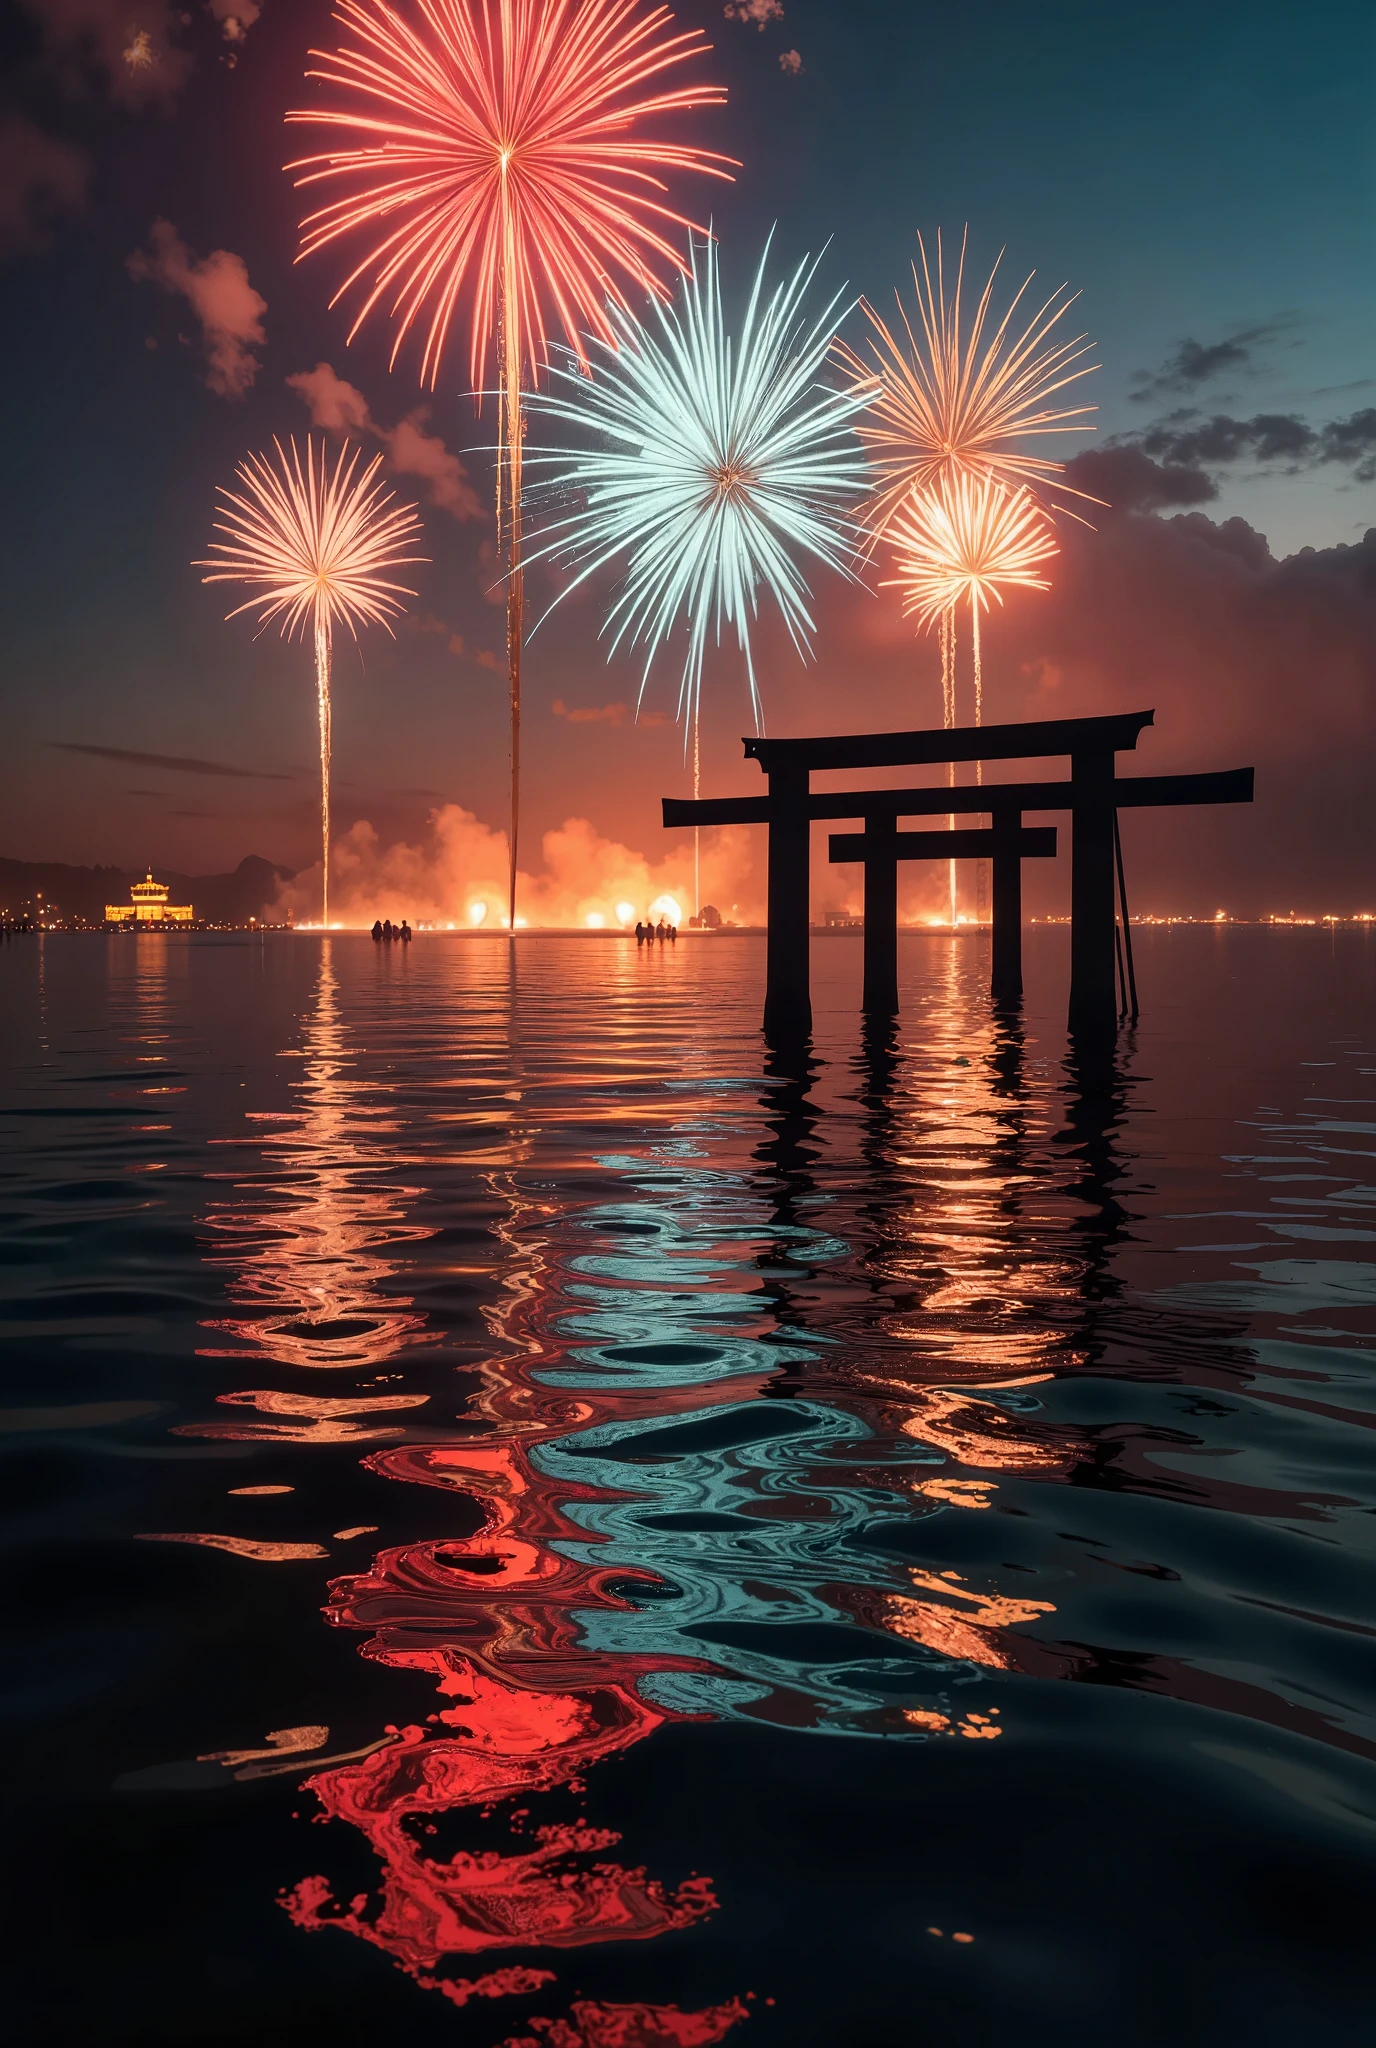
(1266, 437)
(760, 12)
(185, 764)
(1186, 439)
(483, 656)
(416, 453)
(587, 714)
(1127, 480)
(223, 300)
(40, 178)
(236, 17)
(1196, 362)
(1352, 441)
(341, 408)
(791, 63)
(334, 405)
(1245, 659)
(459, 876)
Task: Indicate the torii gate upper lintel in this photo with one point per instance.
(1093, 795)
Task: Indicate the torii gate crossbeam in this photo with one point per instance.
(1092, 795)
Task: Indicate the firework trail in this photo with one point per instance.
(491, 146)
(965, 539)
(719, 461)
(316, 546)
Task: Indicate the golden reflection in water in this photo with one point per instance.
(240, 1546)
(309, 1240)
(987, 1292)
(961, 1623)
(969, 1247)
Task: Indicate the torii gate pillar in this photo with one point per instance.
(788, 997)
(1093, 997)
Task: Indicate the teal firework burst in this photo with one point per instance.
(720, 464)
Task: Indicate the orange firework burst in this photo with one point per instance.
(491, 148)
(966, 537)
(947, 399)
(317, 547)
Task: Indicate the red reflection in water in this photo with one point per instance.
(632, 2026)
(530, 1709)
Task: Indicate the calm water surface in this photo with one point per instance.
(532, 1520)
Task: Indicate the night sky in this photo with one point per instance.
(1203, 175)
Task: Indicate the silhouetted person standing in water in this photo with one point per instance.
(405, 933)
(377, 929)
(639, 933)
(659, 931)
(387, 931)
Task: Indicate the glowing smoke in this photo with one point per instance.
(460, 878)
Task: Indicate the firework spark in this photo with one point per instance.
(317, 547)
(721, 462)
(492, 147)
(950, 399)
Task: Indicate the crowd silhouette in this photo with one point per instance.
(385, 932)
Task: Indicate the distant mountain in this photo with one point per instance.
(84, 892)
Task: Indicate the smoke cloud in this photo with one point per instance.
(236, 17)
(459, 877)
(758, 12)
(340, 408)
(416, 453)
(216, 286)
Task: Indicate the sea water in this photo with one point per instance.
(533, 1518)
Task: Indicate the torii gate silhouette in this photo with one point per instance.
(1093, 795)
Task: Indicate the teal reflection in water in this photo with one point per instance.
(753, 1515)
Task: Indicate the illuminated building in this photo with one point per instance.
(148, 904)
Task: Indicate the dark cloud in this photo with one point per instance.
(1188, 440)
(1353, 441)
(1246, 660)
(1196, 362)
(1128, 480)
(41, 178)
(186, 764)
(1267, 437)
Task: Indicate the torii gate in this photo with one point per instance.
(1093, 795)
